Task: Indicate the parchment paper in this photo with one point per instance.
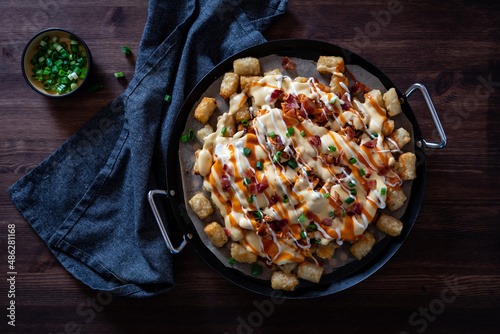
(193, 184)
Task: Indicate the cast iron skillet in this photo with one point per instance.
(344, 277)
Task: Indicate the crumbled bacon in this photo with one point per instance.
(370, 184)
(310, 215)
(228, 170)
(262, 230)
(339, 158)
(275, 198)
(369, 144)
(308, 105)
(283, 225)
(225, 183)
(358, 87)
(315, 141)
(291, 102)
(349, 133)
(384, 170)
(276, 94)
(280, 146)
(347, 104)
(355, 209)
(263, 185)
(288, 63)
(327, 221)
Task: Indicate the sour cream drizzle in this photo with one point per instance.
(300, 203)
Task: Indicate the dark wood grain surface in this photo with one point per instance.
(444, 279)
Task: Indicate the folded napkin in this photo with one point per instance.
(88, 200)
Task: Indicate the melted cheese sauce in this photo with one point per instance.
(351, 189)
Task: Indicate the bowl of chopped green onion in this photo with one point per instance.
(56, 62)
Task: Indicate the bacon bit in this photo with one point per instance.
(384, 170)
(368, 175)
(329, 159)
(291, 113)
(248, 173)
(225, 182)
(370, 184)
(276, 94)
(347, 170)
(308, 105)
(252, 189)
(282, 223)
(356, 209)
(280, 146)
(339, 158)
(288, 63)
(369, 144)
(228, 233)
(315, 141)
(291, 102)
(347, 104)
(349, 132)
(228, 170)
(310, 215)
(275, 198)
(327, 221)
(263, 185)
(301, 114)
(262, 230)
(358, 87)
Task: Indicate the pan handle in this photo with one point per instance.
(163, 230)
(434, 115)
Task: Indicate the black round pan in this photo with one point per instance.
(344, 277)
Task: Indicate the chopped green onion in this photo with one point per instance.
(259, 165)
(353, 192)
(333, 99)
(272, 134)
(383, 191)
(352, 184)
(223, 131)
(344, 213)
(244, 122)
(231, 260)
(349, 200)
(292, 163)
(256, 269)
(353, 160)
(257, 215)
(326, 195)
(246, 181)
(285, 199)
(247, 151)
(317, 241)
(362, 172)
(303, 235)
(250, 199)
(119, 75)
(167, 98)
(289, 132)
(73, 86)
(61, 89)
(184, 138)
(331, 214)
(277, 157)
(94, 87)
(126, 50)
(312, 228)
(46, 86)
(191, 134)
(303, 133)
(302, 218)
(332, 148)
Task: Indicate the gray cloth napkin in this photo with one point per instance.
(87, 201)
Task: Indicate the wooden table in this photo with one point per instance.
(444, 279)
